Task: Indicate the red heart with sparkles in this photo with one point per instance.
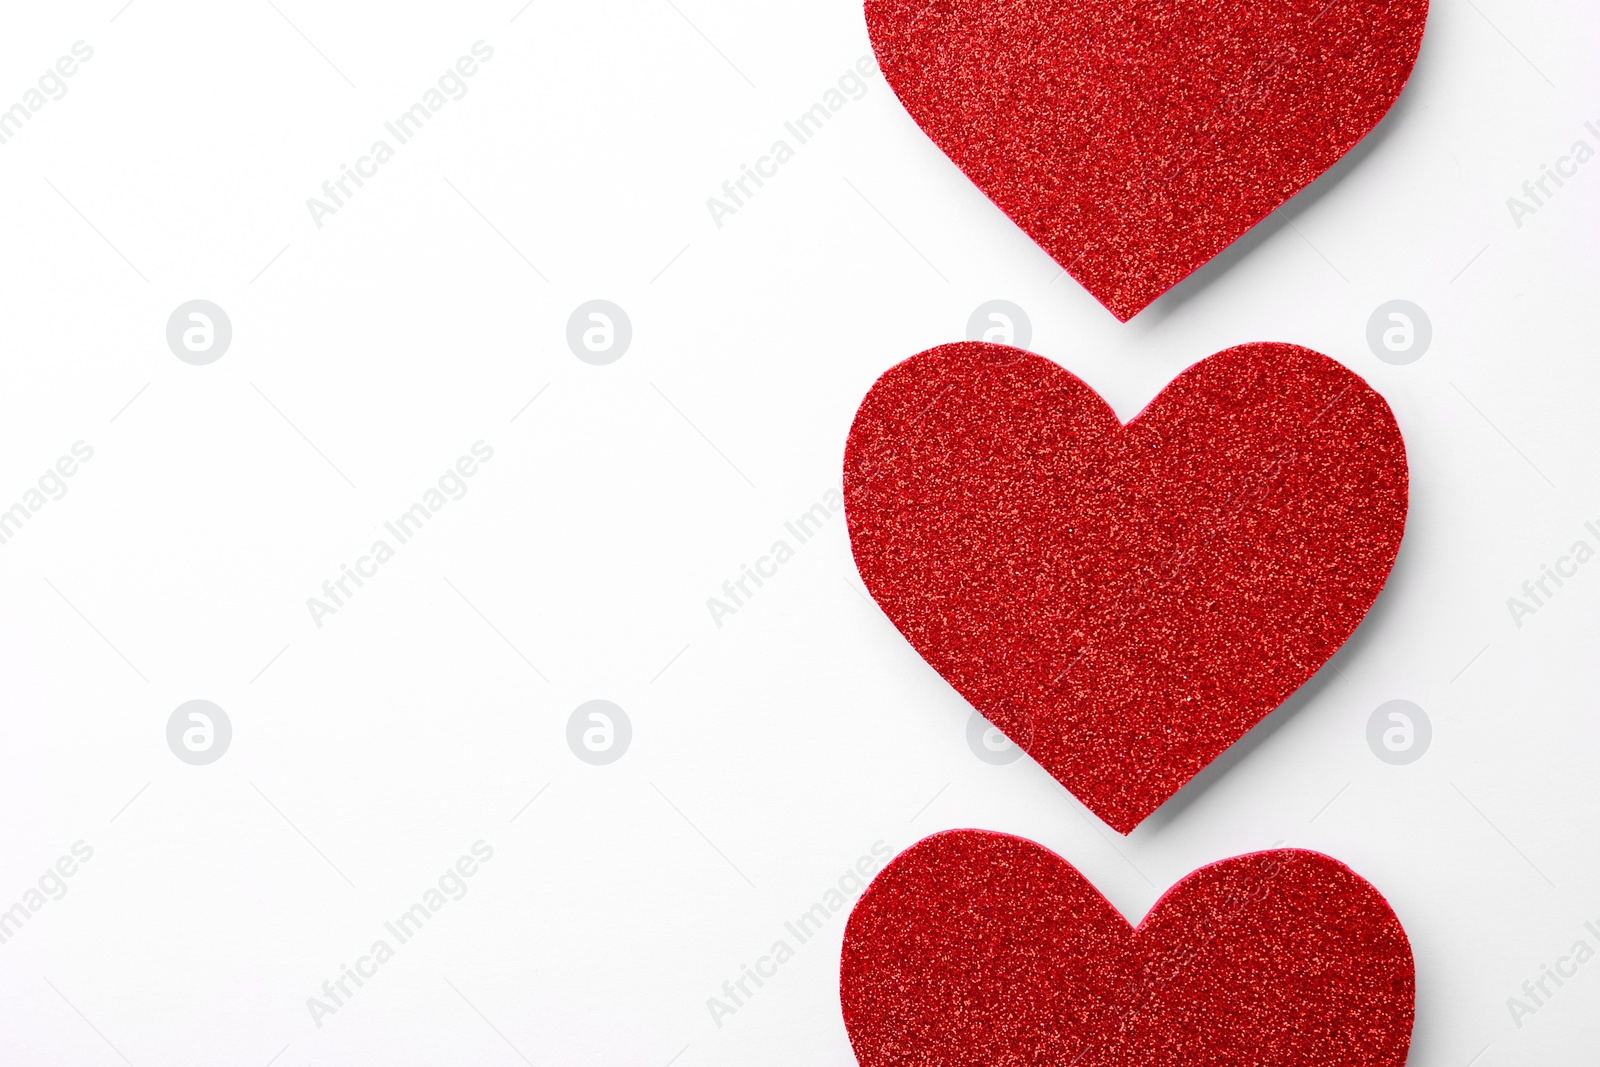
(1124, 602)
(976, 949)
(1135, 141)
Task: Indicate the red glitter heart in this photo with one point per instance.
(1135, 141)
(976, 949)
(1124, 602)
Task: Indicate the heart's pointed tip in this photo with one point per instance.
(1121, 305)
(1123, 823)
(1123, 813)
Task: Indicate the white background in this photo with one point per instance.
(770, 753)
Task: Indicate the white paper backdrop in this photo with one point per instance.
(377, 344)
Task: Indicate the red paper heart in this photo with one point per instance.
(1124, 602)
(1135, 141)
(976, 949)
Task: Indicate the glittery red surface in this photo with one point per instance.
(1134, 141)
(976, 949)
(1124, 602)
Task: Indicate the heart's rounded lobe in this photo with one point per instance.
(977, 949)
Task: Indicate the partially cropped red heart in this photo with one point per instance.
(1135, 141)
(976, 949)
(1124, 602)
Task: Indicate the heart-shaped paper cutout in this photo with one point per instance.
(1135, 141)
(1124, 602)
(976, 949)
